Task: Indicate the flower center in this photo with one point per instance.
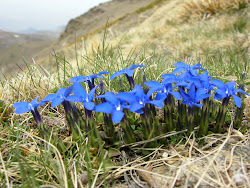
(118, 107)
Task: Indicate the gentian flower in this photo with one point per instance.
(189, 70)
(22, 107)
(82, 96)
(113, 105)
(89, 79)
(59, 97)
(138, 99)
(128, 73)
(193, 97)
(227, 90)
(164, 87)
(183, 79)
(205, 82)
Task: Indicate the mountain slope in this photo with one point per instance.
(15, 47)
(183, 29)
(99, 15)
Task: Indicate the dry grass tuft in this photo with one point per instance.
(206, 8)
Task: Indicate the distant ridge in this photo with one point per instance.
(98, 17)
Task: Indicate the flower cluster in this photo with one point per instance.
(191, 86)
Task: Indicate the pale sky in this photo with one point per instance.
(20, 15)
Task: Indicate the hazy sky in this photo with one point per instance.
(20, 15)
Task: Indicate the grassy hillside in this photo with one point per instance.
(98, 16)
(178, 30)
(213, 33)
(16, 48)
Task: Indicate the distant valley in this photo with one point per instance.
(16, 48)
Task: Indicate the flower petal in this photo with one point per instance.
(22, 110)
(60, 91)
(128, 97)
(191, 92)
(184, 95)
(103, 72)
(237, 101)
(138, 91)
(240, 91)
(77, 79)
(49, 97)
(153, 84)
(217, 83)
(117, 116)
(180, 64)
(160, 96)
(200, 91)
(74, 98)
(129, 72)
(177, 95)
(201, 97)
(92, 92)
(68, 91)
(218, 96)
(178, 70)
(198, 105)
(22, 104)
(135, 66)
(135, 106)
(168, 76)
(89, 105)
(56, 101)
(111, 97)
(157, 103)
(105, 107)
(79, 90)
(230, 85)
(118, 73)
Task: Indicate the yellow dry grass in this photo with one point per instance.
(206, 8)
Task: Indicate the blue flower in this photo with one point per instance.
(227, 90)
(181, 80)
(22, 107)
(128, 72)
(189, 70)
(82, 96)
(205, 82)
(59, 97)
(193, 97)
(89, 79)
(164, 87)
(113, 105)
(138, 99)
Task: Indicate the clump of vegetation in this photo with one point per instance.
(134, 110)
(206, 8)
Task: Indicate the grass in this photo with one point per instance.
(202, 9)
(29, 160)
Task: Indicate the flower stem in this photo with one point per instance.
(190, 119)
(239, 111)
(168, 114)
(129, 136)
(220, 119)
(204, 118)
(131, 81)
